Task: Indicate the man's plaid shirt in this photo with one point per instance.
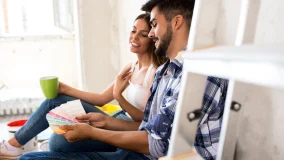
(209, 127)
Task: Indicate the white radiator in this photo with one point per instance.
(19, 101)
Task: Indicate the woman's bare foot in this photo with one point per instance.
(13, 142)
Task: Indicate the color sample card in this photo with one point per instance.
(64, 115)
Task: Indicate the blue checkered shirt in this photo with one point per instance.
(209, 126)
(160, 125)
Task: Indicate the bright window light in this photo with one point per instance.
(36, 17)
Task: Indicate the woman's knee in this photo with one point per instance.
(60, 99)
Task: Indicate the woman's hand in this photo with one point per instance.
(98, 120)
(76, 132)
(62, 88)
(121, 82)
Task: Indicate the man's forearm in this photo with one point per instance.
(121, 125)
(136, 141)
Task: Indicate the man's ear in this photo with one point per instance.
(177, 21)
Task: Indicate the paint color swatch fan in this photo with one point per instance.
(64, 115)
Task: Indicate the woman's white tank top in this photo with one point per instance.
(136, 94)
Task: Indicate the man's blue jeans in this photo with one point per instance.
(118, 155)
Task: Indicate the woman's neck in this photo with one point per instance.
(144, 61)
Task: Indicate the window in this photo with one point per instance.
(36, 17)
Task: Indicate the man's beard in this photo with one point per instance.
(164, 42)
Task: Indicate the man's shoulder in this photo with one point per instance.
(159, 69)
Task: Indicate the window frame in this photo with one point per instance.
(65, 34)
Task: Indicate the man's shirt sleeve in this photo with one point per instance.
(160, 127)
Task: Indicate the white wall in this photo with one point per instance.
(269, 22)
(104, 28)
(22, 63)
(94, 18)
(128, 11)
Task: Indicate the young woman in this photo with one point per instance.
(141, 74)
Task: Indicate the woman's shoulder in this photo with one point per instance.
(151, 76)
(153, 71)
(129, 66)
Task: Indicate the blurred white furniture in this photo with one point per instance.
(256, 75)
(255, 71)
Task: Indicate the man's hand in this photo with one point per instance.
(98, 120)
(121, 82)
(76, 132)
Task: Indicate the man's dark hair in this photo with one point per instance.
(171, 8)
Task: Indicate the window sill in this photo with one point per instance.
(36, 37)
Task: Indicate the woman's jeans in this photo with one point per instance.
(81, 150)
(37, 123)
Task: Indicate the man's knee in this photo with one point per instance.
(27, 156)
(57, 143)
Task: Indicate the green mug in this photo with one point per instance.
(49, 86)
